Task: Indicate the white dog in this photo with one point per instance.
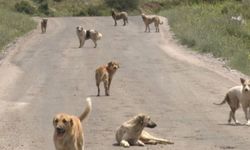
(238, 95)
(87, 34)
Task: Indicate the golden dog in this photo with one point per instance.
(119, 15)
(105, 74)
(68, 134)
(87, 34)
(238, 95)
(44, 25)
(148, 20)
(132, 132)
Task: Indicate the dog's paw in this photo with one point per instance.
(248, 123)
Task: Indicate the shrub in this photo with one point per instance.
(123, 4)
(25, 7)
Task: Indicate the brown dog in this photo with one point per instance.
(105, 74)
(44, 25)
(148, 20)
(132, 132)
(119, 15)
(68, 134)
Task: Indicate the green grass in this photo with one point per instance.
(204, 28)
(13, 25)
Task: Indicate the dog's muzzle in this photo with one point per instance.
(60, 131)
(151, 124)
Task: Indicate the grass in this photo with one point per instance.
(206, 28)
(13, 25)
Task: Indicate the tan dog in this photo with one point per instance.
(68, 134)
(119, 15)
(105, 74)
(87, 34)
(132, 132)
(44, 25)
(238, 95)
(148, 20)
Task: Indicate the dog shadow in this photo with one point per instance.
(232, 125)
(97, 96)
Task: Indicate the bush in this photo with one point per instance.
(123, 4)
(25, 7)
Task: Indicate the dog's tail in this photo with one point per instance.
(226, 99)
(145, 136)
(87, 109)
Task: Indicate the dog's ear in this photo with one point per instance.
(242, 80)
(71, 122)
(110, 64)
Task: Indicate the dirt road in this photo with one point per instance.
(47, 73)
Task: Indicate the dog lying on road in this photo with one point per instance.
(87, 34)
(148, 20)
(132, 132)
(105, 74)
(119, 15)
(68, 134)
(44, 25)
(238, 95)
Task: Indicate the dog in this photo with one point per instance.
(44, 25)
(132, 132)
(68, 134)
(238, 95)
(119, 15)
(87, 34)
(105, 74)
(148, 20)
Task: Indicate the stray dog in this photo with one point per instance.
(87, 34)
(148, 20)
(132, 132)
(44, 25)
(238, 95)
(105, 74)
(120, 15)
(68, 134)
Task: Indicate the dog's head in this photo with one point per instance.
(112, 11)
(79, 28)
(143, 16)
(145, 121)
(113, 66)
(246, 84)
(62, 124)
(44, 20)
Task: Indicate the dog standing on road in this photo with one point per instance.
(132, 132)
(44, 25)
(68, 134)
(238, 95)
(148, 20)
(87, 34)
(105, 74)
(119, 15)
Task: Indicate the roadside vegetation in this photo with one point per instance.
(12, 24)
(208, 27)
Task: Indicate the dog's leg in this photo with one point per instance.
(115, 22)
(98, 89)
(232, 113)
(246, 115)
(106, 87)
(140, 143)
(148, 28)
(124, 143)
(124, 22)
